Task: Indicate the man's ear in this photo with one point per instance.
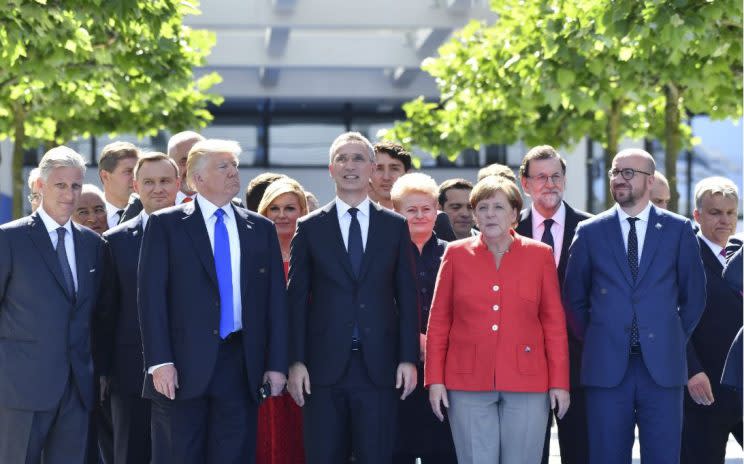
(103, 175)
(696, 215)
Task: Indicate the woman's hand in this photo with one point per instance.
(561, 399)
(437, 397)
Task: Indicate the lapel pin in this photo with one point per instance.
(658, 226)
(135, 232)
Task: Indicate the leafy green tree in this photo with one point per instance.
(556, 71)
(90, 67)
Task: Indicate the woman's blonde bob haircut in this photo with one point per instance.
(414, 182)
(278, 188)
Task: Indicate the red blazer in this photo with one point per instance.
(497, 329)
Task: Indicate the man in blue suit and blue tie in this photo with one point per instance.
(49, 281)
(634, 292)
(213, 316)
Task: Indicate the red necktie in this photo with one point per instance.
(187, 199)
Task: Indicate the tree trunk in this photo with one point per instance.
(613, 140)
(19, 138)
(671, 141)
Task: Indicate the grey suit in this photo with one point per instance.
(46, 371)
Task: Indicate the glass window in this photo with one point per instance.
(302, 144)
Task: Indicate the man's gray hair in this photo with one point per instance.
(60, 157)
(715, 185)
(181, 137)
(352, 137)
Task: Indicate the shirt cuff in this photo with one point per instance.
(152, 369)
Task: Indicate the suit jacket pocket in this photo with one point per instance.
(461, 357)
(527, 361)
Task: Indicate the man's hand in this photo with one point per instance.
(560, 398)
(700, 390)
(405, 376)
(165, 379)
(299, 383)
(104, 385)
(277, 381)
(437, 398)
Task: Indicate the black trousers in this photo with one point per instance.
(354, 415)
(215, 428)
(572, 432)
(130, 415)
(706, 429)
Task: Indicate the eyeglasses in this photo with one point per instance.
(542, 179)
(627, 173)
(33, 197)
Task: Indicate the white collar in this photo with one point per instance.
(50, 224)
(145, 217)
(208, 208)
(714, 247)
(558, 218)
(342, 207)
(643, 215)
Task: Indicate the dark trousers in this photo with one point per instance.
(59, 436)
(706, 428)
(572, 431)
(130, 415)
(218, 427)
(613, 412)
(352, 415)
(101, 417)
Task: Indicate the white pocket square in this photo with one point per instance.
(93, 270)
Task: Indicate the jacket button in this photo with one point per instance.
(495, 288)
(651, 336)
(215, 332)
(495, 327)
(495, 307)
(361, 306)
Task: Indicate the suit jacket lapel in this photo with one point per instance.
(709, 259)
(374, 237)
(197, 230)
(617, 244)
(337, 241)
(524, 228)
(654, 231)
(83, 262)
(245, 232)
(40, 237)
(572, 220)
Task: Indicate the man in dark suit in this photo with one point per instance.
(634, 292)
(553, 221)
(353, 316)
(119, 343)
(712, 412)
(49, 280)
(213, 316)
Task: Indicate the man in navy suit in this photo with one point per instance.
(213, 316)
(49, 280)
(712, 412)
(156, 181)
(634, 292)
(552, 221)
(353, 316)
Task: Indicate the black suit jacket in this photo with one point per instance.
(179, 300)
(573, 218)
(710, 341)
(326, 299)
(118, 340)
(44, 333)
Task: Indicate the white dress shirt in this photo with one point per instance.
(145, 218)
(344, 220)
(51, 227)
(640, 226)
(556, 230)
(715, 248)
(112, 214)
(208, 209)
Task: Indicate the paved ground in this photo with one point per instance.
(734, 453)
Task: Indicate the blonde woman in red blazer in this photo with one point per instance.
(496, 350)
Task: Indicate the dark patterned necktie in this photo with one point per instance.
(64, 263)
(356, 248)
(635, 339)
(547, 236)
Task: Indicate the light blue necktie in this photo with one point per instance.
(224, 273)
